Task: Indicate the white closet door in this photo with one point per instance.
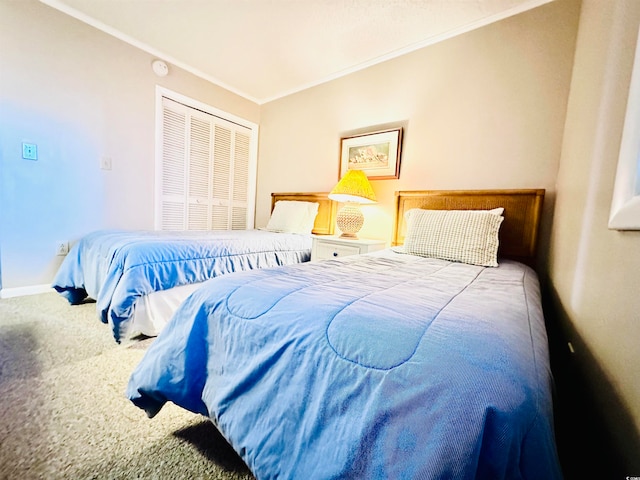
(173, 175)
(206, 172)
(240, 180)
(198, 175)
(220, 186)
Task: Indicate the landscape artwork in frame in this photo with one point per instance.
(377, 154)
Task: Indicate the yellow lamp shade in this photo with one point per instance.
(353, 187)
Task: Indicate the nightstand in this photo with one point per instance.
(326, 247)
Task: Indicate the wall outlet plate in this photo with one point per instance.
(62, 248)
(29, 151)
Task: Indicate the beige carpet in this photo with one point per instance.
(63, 413)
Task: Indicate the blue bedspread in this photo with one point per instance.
(116, 267)
(378, 366)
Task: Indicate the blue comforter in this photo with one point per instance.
(379, 366)
(116, 267)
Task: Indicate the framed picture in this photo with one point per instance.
(377, 154)
(625, 204)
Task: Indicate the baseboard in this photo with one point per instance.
(22, 291)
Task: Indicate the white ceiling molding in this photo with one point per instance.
(263, 51)
(64, 8)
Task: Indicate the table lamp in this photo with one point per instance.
(352, 190)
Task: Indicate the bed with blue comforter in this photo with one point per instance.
(378, 366)
(118, 267)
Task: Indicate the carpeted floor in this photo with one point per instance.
(63, 413)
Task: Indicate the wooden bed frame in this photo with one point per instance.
(518, 232)
(325, 220)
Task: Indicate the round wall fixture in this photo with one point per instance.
(160, 68)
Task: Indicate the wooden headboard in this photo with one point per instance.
(522, 212)
(325, 220)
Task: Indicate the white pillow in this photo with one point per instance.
(466, 236)
(293, 216)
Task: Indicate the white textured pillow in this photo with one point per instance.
(466, 236)
(293, 216)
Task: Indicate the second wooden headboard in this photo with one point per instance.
(325, 220)
(522, 212)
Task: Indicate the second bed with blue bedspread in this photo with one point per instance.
(117, 267)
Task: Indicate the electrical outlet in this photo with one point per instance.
(29, 151)
(62, 248)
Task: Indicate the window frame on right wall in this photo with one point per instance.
(625, 204)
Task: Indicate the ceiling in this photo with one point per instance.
(266, 49)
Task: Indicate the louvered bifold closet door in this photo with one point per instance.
(230, 176)
(199, 174)
(205, 171)
(221, 187)
(240, 180)
(173, 175)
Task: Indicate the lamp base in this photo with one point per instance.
(350, 220)
(350, 236)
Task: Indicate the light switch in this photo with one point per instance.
(29, 151)
(105, 163)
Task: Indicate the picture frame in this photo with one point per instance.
(377, 154)
(625, 204)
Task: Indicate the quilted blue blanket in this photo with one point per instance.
(116, 267)
(378, 366)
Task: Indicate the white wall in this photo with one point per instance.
(594, 271)
(79, 94)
